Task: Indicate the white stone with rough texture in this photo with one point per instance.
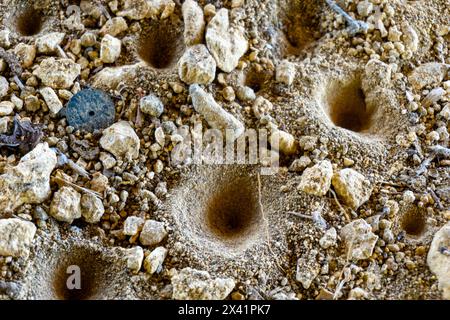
(121, 140)
(92, 208)
(152, 233)
(48, 43)
(51, 99)
(285, 72)
(426, 74)
(359, 239)
(153, 262)
(316, 180)
(29, 181)
(191, 284)
(132, 225)
(134, 257)
(352, 187)
(65, 206)
(57, 73)
(194, 22)
(110, 48)
(226, 44)
(439, 259)
(197, 65)
(15, 236)
(214, 114)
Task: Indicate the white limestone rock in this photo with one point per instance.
(92, 208)
(26, 54)
(132, 225)
(194, 22)
(153, 262)
(191, 284)
(152, 233)
(197, 65)
(151, 105)
(110, 49)
(66, 206)
(51, 99)
(29, 181)
(214, 114)
(316, 180)
(49, 42)
(121, 140)
(283, 141)
(134, 257)
(57, 73)
(431, 73)
(285, 72)
(359, 239)
(226, 44)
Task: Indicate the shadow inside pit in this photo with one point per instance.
(29, 21)
(346, 106)
(233, 209)
(160, 44)
(79, 278)
(413, 222)
(76, 272)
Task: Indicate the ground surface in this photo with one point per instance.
(353, 102)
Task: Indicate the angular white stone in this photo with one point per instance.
(359, 239)
(226, 44)
(66, 205)
(155, 259)
(92, 208)
(194, 22)
(152, 233)
(134, 257)
(352, 187)
(121, 140)
(191, 284)
(316, 180)
(110, 48)
(214, 114)
(197, 65)
(48, 43)
(29, 181)
(15, 236)
(132, 225)
(57, 73)
(51, 99)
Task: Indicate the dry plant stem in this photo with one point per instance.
(75, 186)
(61, 52)
(440, 151)
(340, 206)
(347, 259)
(436, 199)
(266, 224)
(355, 26)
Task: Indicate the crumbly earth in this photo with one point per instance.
(359, 100)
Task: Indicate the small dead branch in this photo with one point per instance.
(316, 217)
(62, 181)
(340, 206)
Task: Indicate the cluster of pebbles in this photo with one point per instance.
(95, 96)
